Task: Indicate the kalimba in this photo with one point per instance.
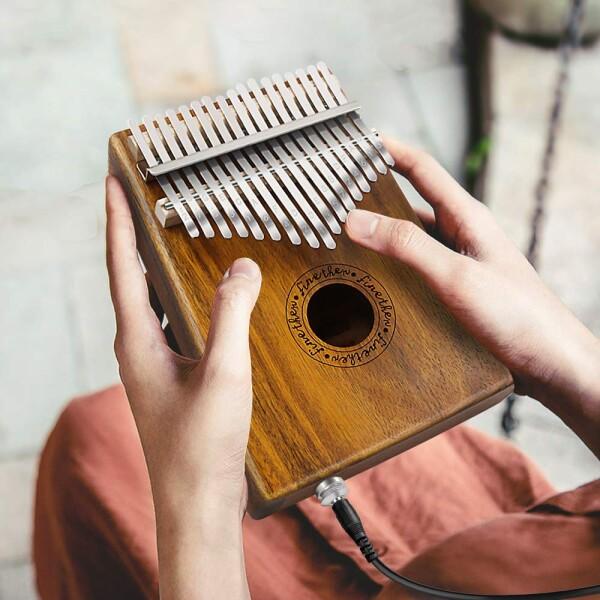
(354, 360)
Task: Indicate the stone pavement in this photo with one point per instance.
(71, 73)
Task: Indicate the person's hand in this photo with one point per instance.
(193, 417)
(488, 285)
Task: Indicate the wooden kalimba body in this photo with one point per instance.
(354, 360)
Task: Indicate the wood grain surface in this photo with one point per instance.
(313, 418)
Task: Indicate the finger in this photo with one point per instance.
(227, 349)
(429, 178)
(136, 322)
(406, 242)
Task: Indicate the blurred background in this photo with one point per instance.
(471, 82)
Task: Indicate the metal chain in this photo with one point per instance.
(570, 42)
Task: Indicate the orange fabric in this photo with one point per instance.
(462, 511)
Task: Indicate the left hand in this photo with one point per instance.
(193, 416)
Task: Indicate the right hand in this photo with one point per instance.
(485, 281)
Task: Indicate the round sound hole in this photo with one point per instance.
(340, 315)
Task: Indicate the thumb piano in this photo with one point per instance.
(354, 360)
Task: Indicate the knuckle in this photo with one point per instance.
(403, 234)
(421, 161)
(232, 295)
(119, 347)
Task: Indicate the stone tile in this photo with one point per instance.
(38, 363)
(63, 93)
(513, 168)
(412, 36)
(518, 95)
(440, 100)
(253, 39)
(17, 482)
(571, 237)
(571, 231)
(88, 292)
(49, 247)
(94, 323)
(583, 104)
(33, 25)
(40, 230)
(17, 582)
(167, 50)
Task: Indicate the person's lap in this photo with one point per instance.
(95, 531)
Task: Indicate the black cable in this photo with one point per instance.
(350, 521)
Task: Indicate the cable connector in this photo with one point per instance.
(350, 521)
(332, 492)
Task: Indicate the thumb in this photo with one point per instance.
(408, 243)
(227, 349)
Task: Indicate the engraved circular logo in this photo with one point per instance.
(340, 315)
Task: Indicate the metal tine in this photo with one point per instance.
(347, 125)
(338, 131)
(305, 184)
(311, 188)
(331, 158)
(194, 129)
(232, 120)
(338, 134)
(180, 184)
(315, 178)
(249, 110)
(178, 206)
(204, 172)
(254, 163)
(297, 195)
(156, 139)
(217, 116)
(344, 155)
(183, 134)
(308, 151)
(180, 209)
(333, 83)
(374, 139)
(362, 153)
(224, 180)
(328, 164)
(140, 140)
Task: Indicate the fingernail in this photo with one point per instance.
(243, 267)
(362, 223)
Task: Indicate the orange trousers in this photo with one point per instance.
(462, 511)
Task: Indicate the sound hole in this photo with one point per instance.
(340, 315)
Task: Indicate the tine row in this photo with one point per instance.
(303, 182)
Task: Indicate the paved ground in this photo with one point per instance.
(71, 73)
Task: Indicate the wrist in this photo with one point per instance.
(200, 549)
(576, 372)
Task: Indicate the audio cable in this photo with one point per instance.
(333, 492)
